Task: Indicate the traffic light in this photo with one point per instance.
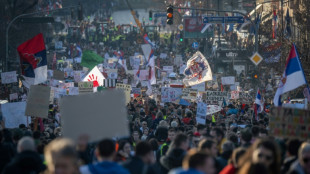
(181, 37)
(80, 12)
(255, 76)
(170, 15)
(150, 15)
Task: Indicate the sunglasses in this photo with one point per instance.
(306, 160)
(267, 157)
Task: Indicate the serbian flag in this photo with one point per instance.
(259, 104)
(121, 59)
(138, 76)
(275, 24)
(147, 40)
(292, 78)
(33, 61)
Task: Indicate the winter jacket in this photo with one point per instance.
(136, 166)
(296, 168)
(105, 167)
(25, 162)
(173, 159)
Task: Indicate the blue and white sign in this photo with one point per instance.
(156, 15)
(220, 20)
(195, 45)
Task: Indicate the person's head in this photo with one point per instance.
(304, 156)
(159, 115)
(180, 142)
(154, 144)
(200, 161)
(265, 151)
(202, 129)
(171, 134)
(174, 124)
(255, 131)
(293, 146)
(61, 157)
(209, 146)
(25, 144)
(136, 135)
(246, 136)
(105, 150)
(144, 124)
(125, 146)
(233, 138)
(144, 150)
(218, 134)
(263, 133)
(146, 131)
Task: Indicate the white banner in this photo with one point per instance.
(8, 77)
(201, 113)
(228, 80)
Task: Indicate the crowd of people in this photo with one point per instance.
(163, 140)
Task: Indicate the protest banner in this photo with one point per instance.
(201, 113)
(14, 114)
(168, 69)
(170, 94)
(103, 115)
(85, 87)
(234, 95)
(126, 89)
(13, 96)
(289, 123)
(38, 101)
(59, 75)
(230, 80)
(8, 77)
(211, 109)
(213, 97)
(189, 94)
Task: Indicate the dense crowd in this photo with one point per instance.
(163, 140)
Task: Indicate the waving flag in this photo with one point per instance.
(150, 60)
(259, 103)
(275, 24)
(32, 55)
(197, 70)
(138, 76)
(121, 59)
(292, 78)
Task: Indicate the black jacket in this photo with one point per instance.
(27, 162)
(136, 166)
(173, 159)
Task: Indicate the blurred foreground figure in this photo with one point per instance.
(27, 161)
(302, 165)
(61, 157)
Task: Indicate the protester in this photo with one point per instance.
(142, 162)
(124, 151)
(27, 160)
(105, 154)
(302, 165)
(61, 157)
(208, 146)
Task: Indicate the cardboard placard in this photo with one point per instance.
(38, 101)
(289, 123)
(170, 94)
(58, 75)
(126, 89)
(85, 87)
(190, 94)
(98, 115)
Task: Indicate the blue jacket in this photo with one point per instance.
(105, 167)
(182, 171)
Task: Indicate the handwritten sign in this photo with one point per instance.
(190, 94)
(8, 77)
(38, 101)
(170, 94)
(289, 123)
(14, 114)
(85, 87)
(126, 89)
(201, 113)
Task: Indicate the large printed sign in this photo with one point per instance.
(38, 101)
(289, 123)
(213, 97)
